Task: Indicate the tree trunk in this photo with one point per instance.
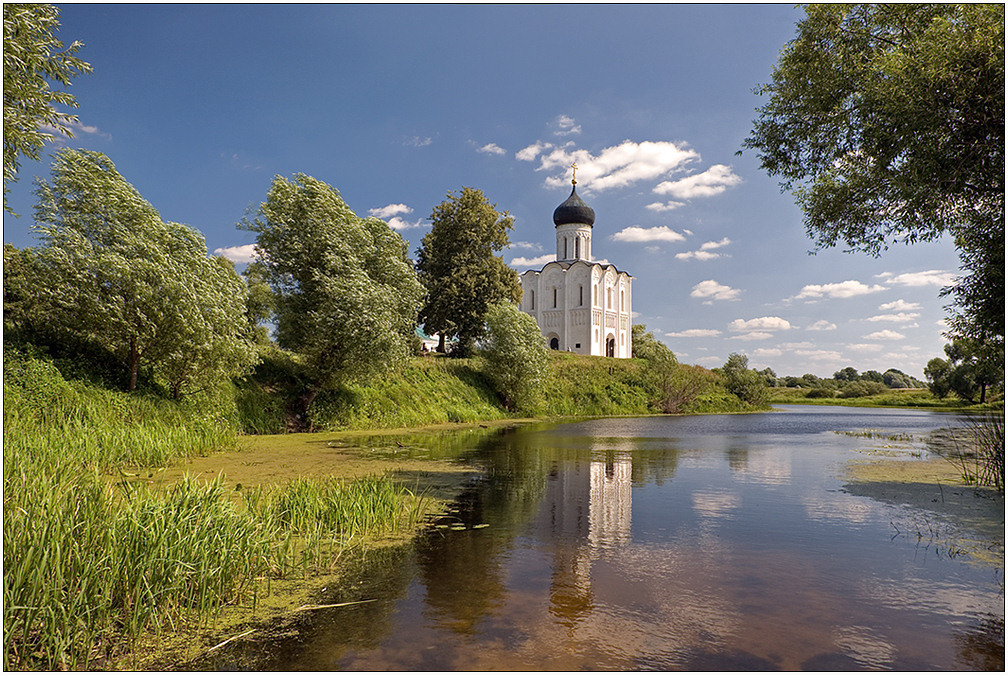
(134, 363)
(298, 421)
(440, 345)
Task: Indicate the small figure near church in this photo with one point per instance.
(581, 306)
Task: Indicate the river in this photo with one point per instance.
(715, 542)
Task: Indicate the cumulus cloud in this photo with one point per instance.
(713, 181)
(390, 210)
(662, 207)
(865, 347)
(705, 251)
(75, 127)
(694, 333)
(822, 324)
(755, 335)
(765, 352)
(762, 323)
(613, 167)
(843, 289)
(530, 263)
(928, 278)
(391, 215)
(238, 254)
(643, 234)
(492, 149)
(885, 335)
(712, 290)
(899, 306)
(528, 245)
(899, 317)
(819, 354)
(565, 126)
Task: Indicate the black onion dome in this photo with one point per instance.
(574, 211)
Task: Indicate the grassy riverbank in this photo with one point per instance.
(892, 398)
(128, 516)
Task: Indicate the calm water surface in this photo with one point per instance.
(665, 543)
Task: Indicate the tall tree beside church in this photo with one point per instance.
(457, 264)
(34, 60)
(346, 294)
(886, 121)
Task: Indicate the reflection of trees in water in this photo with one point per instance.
(983, 646)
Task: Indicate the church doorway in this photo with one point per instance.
(610, 347)
(555, 343)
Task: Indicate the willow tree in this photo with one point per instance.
(35, 60)
(346, 294)
(458, 265)
(110, 272)
(886, 121)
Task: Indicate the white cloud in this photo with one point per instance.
(865, 347)
(822, 324)
(238, 254)
(667, 206)
(819, 354)
(755, 335)
(75, 127)
(885, 335)
(765, 353)
(899, 306)
(928, 278)
(698, 255)
(530, 263)
(641, 234)
(694, 333)
(398, 224)
(762, 323)
(566, 126)
(384, 212)
(705, 251)
(614, 167)
(492, 149)
(529, 153)
(528, 245)
(844, 289)
(715, 291)
(713, 181)
(901, 317)
(418, 141)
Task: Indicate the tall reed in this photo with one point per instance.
(980, 449)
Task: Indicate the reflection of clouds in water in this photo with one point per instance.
(651, 603)
(933, 597)
(768, 468)
(864, 646)
(713, 504)
(839, 508)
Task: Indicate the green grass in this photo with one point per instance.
(91, 565)
(898, 398)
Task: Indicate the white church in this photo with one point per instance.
(581, 306)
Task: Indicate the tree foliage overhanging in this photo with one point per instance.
(34, 60)
(887, 123)
(457, 264)
(113, 275)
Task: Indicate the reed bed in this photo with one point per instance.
(980, 449)
(91, 566)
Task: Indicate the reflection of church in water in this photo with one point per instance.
(589, 504)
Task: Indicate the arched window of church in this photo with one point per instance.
(565, 248)
(609, 298)
(580, 295)
(621, 307)
(531, 299)
(554, 298)
(577, 247)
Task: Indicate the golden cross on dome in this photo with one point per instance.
(574, 178)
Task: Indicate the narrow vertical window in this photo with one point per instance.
(621, 307)
(531, 299)
(577, 248)
(580, 295)
(554, 298)
(565, 248)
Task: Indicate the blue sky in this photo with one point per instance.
(199, 106)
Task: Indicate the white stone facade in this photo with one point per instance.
(581, 306)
